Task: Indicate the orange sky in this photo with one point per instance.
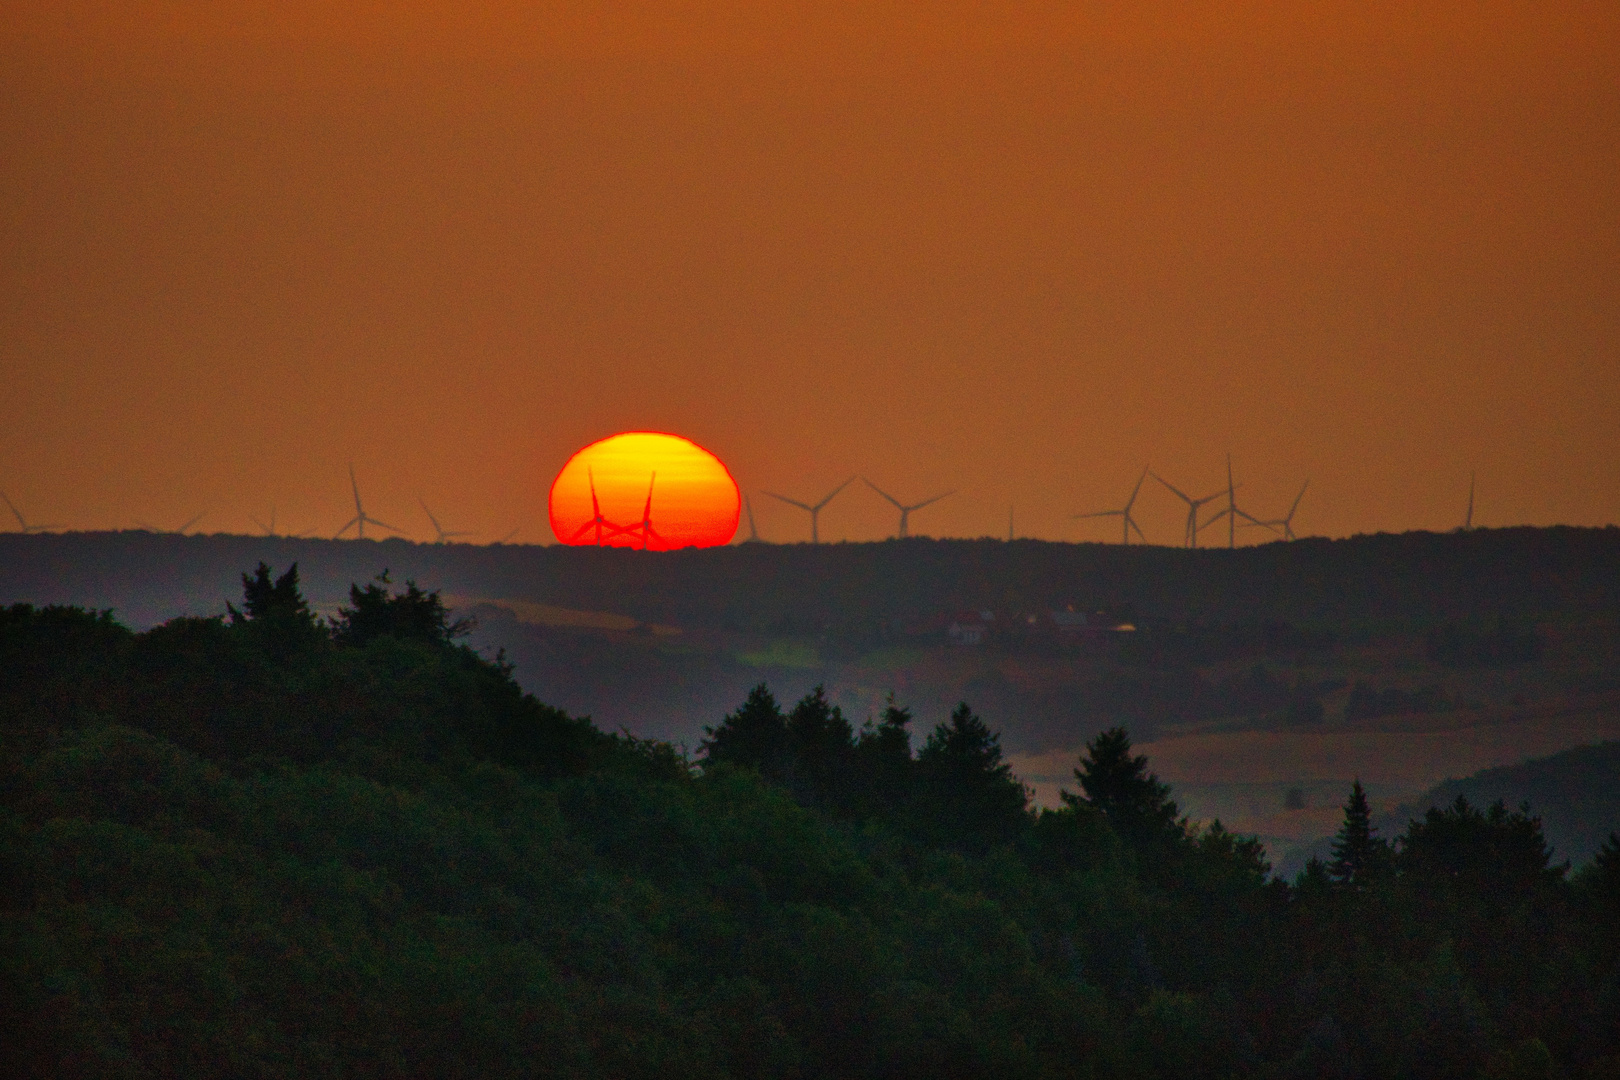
(1017, 250)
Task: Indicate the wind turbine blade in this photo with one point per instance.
(1137, 490)
(926, 502)
(1178, 492)
(182, 529)
(436, 527)
(1101, 513)
(1139, 533)
(352, 523)
(509, 535)
(1298, 497)
(15, 512)
(596, 509)
(790, 502)
(835, 491)
(580, 534)
(267, 530)
(646, 513)
(384, 525)
(355, 486)
(883, 493)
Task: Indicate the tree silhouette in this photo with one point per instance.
(413, 615)
(754, 737)
(968, 790)
(1357, 853)
(275, 613)
(1135, 802)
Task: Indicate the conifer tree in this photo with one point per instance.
(970, 793)
(1357, 852)
(755, 736)
(275, 612)
(1135, 802)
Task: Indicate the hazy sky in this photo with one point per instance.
(1019, 250)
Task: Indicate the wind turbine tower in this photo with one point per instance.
(597, 521)
(815, 511)
(905, 511)
(1468, 519)
(23, 524)
(443, 535)
(1232, 511)
(1193, 506)
(270, 529)
(361, 518)
(648, 533)
(753, 531)
(1128, 523)
(1287, 522)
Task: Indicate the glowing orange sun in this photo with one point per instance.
(644, 489)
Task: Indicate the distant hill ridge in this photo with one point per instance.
(1575, 793)
(1418, 576)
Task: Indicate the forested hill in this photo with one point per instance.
(271, 845)
(1521, 572)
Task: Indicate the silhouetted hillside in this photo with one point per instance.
(1413, 577)
(1576, 794)
(274, 845)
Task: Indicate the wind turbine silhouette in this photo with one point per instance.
(270, 529)
(1129, 522)
(443, 535)
(1468, 519)
(1231, 513)
(181, 531)
(1193, 506)
(648, 533)
(361, 518)
(905, 511)
(515, 530)
(597, 521)
(753, 531)
(815, 511)
(22, 524)
(1287, 522)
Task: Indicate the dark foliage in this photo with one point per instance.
(260, 846)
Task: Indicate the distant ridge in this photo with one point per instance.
(1419, 577)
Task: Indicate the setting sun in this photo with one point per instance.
(644, 489)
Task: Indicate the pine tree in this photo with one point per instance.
(755, 736)
(275, 613)
(1357, 852)
(969, 793)
(1135, 802)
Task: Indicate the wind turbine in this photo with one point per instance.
(648, 533)
(1193, 506)
(1231, 513)
(22, 524)
(815, 511)
(270, 529)
(597, 521)
(1129, 522)
(181, 531)
(905, 511)
(753, 530)
(361, 518)
(443, 536)
(1468, 519)
(1286, 522)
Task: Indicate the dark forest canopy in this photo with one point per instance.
(1414, 577)
(270, 844)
